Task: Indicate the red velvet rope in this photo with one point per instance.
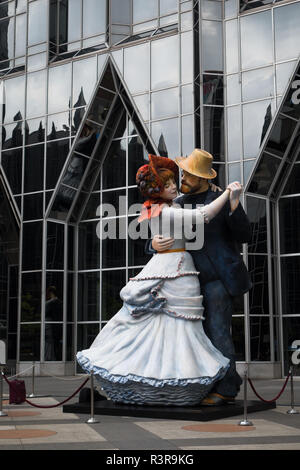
(50, 406)
(274, 399)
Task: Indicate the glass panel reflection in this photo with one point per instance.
(94, 17)
(166, 137)
(58, 126)
(259, 294)
(54, 296)
(280, 136)
(33, 207)
(114, 249)
(213, 118)
(260, 339)
(293, 183)
(256, 212)
(164, 103)
(137, 156)
(55, 246)
(112, 283)
(12, 164)
(101, 106)
(213, 89)
(187, 135)
(137, 55)
(36, 93)
(14, 98)
(53, 342)
(34, 131)
(144, 10)
(289, 213)
(264, 174)
(88, 246)
(290, 279)
(12, 135)
(256, 121)
(287, 28)
(30, 342)
(232, 49)
(88, 296)
(256, 40)
(85, 336)
(291, 105)
(164, 56)
(114, 166)
(31, 297)
(84, 79)
(238, 337)
(56, 156)
(59, 93)
(234, 133)
(283, 74)
(37, 22)
(258, 84)
(212, 46)
(34, 168)
(32, 237)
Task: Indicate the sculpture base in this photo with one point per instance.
(192, 413)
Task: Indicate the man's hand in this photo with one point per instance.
(160, 243)
(215, 188)
(235, 192)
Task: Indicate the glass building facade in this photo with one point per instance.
(88, 88)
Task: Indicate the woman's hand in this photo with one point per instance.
(215, 188)
(160, 243)
(235, 191)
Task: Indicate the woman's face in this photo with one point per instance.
(170, 190)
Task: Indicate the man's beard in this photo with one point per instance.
(185, 189)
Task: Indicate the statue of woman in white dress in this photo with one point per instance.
(154, 350)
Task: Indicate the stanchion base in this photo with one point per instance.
(292, 412)
(189, 413)
(245, 422)
(92, 421)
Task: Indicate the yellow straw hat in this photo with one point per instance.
(198, 163)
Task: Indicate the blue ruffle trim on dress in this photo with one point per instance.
(89, 367)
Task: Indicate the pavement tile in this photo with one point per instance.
(246, 447)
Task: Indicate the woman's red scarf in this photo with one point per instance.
(151, 208)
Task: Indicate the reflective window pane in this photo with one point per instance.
(212, 46)
(112, 283)
(34, 168)
(114, 166)
(12, 135)
(137, 55)
(88, 296)
(142, 102)
(213, 89)
(36, 94)
(291, 332)
(232, 50)
(259, 294)
(30, 342)
(32, 237)
(53, 341)
(187, 135)
(37, 22)
(258, 84)
(238, 337)
(280, 136)
(59, 95)
(264, 174)
(187, 57)
(166, 136)
(12, 164)
(256, 120)
(287, 28)
(34, 131)
(33, 206)
(114, 250)
(137, 156)
(94, 17)
(256, 39)
(58, 126)
(164, 103)
(214, 131)
(234, 172)
(234, 133)
(164, 57)
(233, 89)
(55, 246)
(89, 246)
(168, 6)
(291, 105)
(14, 98)
(289, 213)
(56, 156)
(144, 10)
(211, 9)
(256, 212)
(260, 339)
(293, 183)
(290, 278)
(283, 74)
(31, 297)
(84, 79)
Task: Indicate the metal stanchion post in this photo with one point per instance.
(245, 421)
(92, 420)
(2, 413)
(292, 411)
(32, 395)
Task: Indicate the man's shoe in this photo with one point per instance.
(216, 399)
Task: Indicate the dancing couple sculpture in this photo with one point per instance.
(170, 344)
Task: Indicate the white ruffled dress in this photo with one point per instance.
(154, 350)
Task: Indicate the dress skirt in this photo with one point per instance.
(154, 350)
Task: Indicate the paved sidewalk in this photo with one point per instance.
(30, 428)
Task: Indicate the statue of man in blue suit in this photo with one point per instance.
(223, 274)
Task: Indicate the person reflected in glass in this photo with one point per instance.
(53, 313)
(154, 351)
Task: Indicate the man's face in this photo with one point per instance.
(192, 184)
